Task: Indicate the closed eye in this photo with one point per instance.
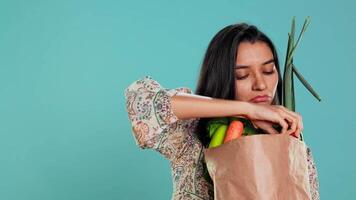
(244, 77)
(270, 72)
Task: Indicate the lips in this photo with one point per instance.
(260, 98)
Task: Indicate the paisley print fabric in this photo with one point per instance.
(154, 126)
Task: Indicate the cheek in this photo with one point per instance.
(243, 89)
(273, 81)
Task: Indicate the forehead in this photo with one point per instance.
(251, 54)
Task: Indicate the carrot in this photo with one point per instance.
(234, 130)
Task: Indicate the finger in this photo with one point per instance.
(270, 130)
(296, 133)
(284, 125)
(254, 124)
(282, 120)
(291, 119)
(294, 125)
(267, 127)
(301, 121)
(296, 116)
(299, 133)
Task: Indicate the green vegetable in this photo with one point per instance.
(288, 98)
(214, 123)
(212, 129)
(219, 135)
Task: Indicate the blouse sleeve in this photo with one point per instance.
(149, 109)
(313, 176)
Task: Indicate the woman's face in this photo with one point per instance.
(255, 73)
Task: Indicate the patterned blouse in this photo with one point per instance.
(155, 126)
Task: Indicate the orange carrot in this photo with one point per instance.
(234, 131)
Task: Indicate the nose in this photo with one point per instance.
(259, 83)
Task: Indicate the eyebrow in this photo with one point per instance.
(246, 66)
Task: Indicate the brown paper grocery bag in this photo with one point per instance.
(259, 167)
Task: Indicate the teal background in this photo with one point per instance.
(64, 66)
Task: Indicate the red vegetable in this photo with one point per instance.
(234, 130)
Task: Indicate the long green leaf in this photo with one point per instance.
(289, 45)
(293, 93)
(288, 87)
(305, 83)
(292, 33)
(288, 96)
(288, 90)
(304, 28)
(305, 25)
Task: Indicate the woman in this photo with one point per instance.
(240, 76)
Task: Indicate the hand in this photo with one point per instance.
(267, 127)
(264, 116)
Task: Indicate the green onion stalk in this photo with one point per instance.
(288, 97)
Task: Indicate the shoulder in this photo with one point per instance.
(148, 83)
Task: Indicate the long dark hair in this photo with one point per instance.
(217, 77)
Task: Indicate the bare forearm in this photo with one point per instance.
(187, 106)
